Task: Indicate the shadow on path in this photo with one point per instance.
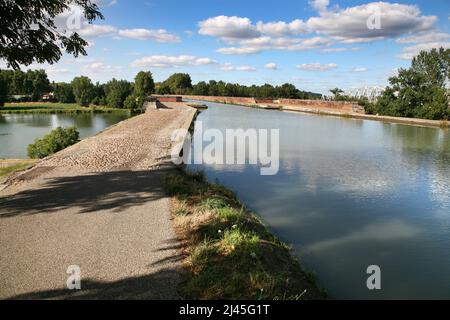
(116, 191)
(150, 286)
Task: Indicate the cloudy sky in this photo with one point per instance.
(316, 45)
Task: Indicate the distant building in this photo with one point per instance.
(50, 96)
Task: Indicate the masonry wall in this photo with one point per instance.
(337, 105)
(169, 98)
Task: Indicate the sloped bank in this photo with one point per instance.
(228, 252)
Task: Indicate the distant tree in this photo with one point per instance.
(40, 83)
(288, 91)
(144, 84)
(83, 89)
(116, 92)
(266, 91)
(213, 90)
(3, 88)
(99, 95)
(130, 102)
(434, 65)
(220, 88)
(28, 32)
(421, 90)
(336, 92)
(134, 103)
(18, 82)
(163, 88)
(200, 89)
(64, 92)
(179, 83)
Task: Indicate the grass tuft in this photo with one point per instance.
(9, 166)
(230, 254)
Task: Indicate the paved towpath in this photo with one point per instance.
(98, 205)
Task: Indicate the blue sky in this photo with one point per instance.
(316, 45)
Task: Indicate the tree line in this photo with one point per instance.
(16, 85)
(180, 83)
(33, 84)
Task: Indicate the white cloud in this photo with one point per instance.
(350, 25)
(260, 44)
(310, 43)
(228, 28)
(334, 50)
(271, 66)
(361, 69)
(282, 28)
(98, 70)
(163, 61)
(332, 26)
(239, 51)
(320, 5)
(409, 52)
(105, 3)
(228, 67)
(159, 35)
(95, 30)
(245, 68)
(425, 37)
(317, 66)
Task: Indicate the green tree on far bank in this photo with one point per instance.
(40, 84)
(134, 103)
(83, 89)
(336, 92)
(179, 83)
(144, 84)
(419, 91)
(116, 92)
(63, 92)
(143, 87)
(4, 89)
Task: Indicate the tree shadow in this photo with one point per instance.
(155, 286)
(116, 191)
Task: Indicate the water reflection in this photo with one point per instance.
(19, 130)
(349, 194)
(391, 230)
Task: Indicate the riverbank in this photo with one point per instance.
(328, 108)
(227, 250)
(55, 108)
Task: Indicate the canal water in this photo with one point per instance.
(17, 131)
(350, 194)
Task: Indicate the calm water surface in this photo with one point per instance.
(17, 131)
(350, 194)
